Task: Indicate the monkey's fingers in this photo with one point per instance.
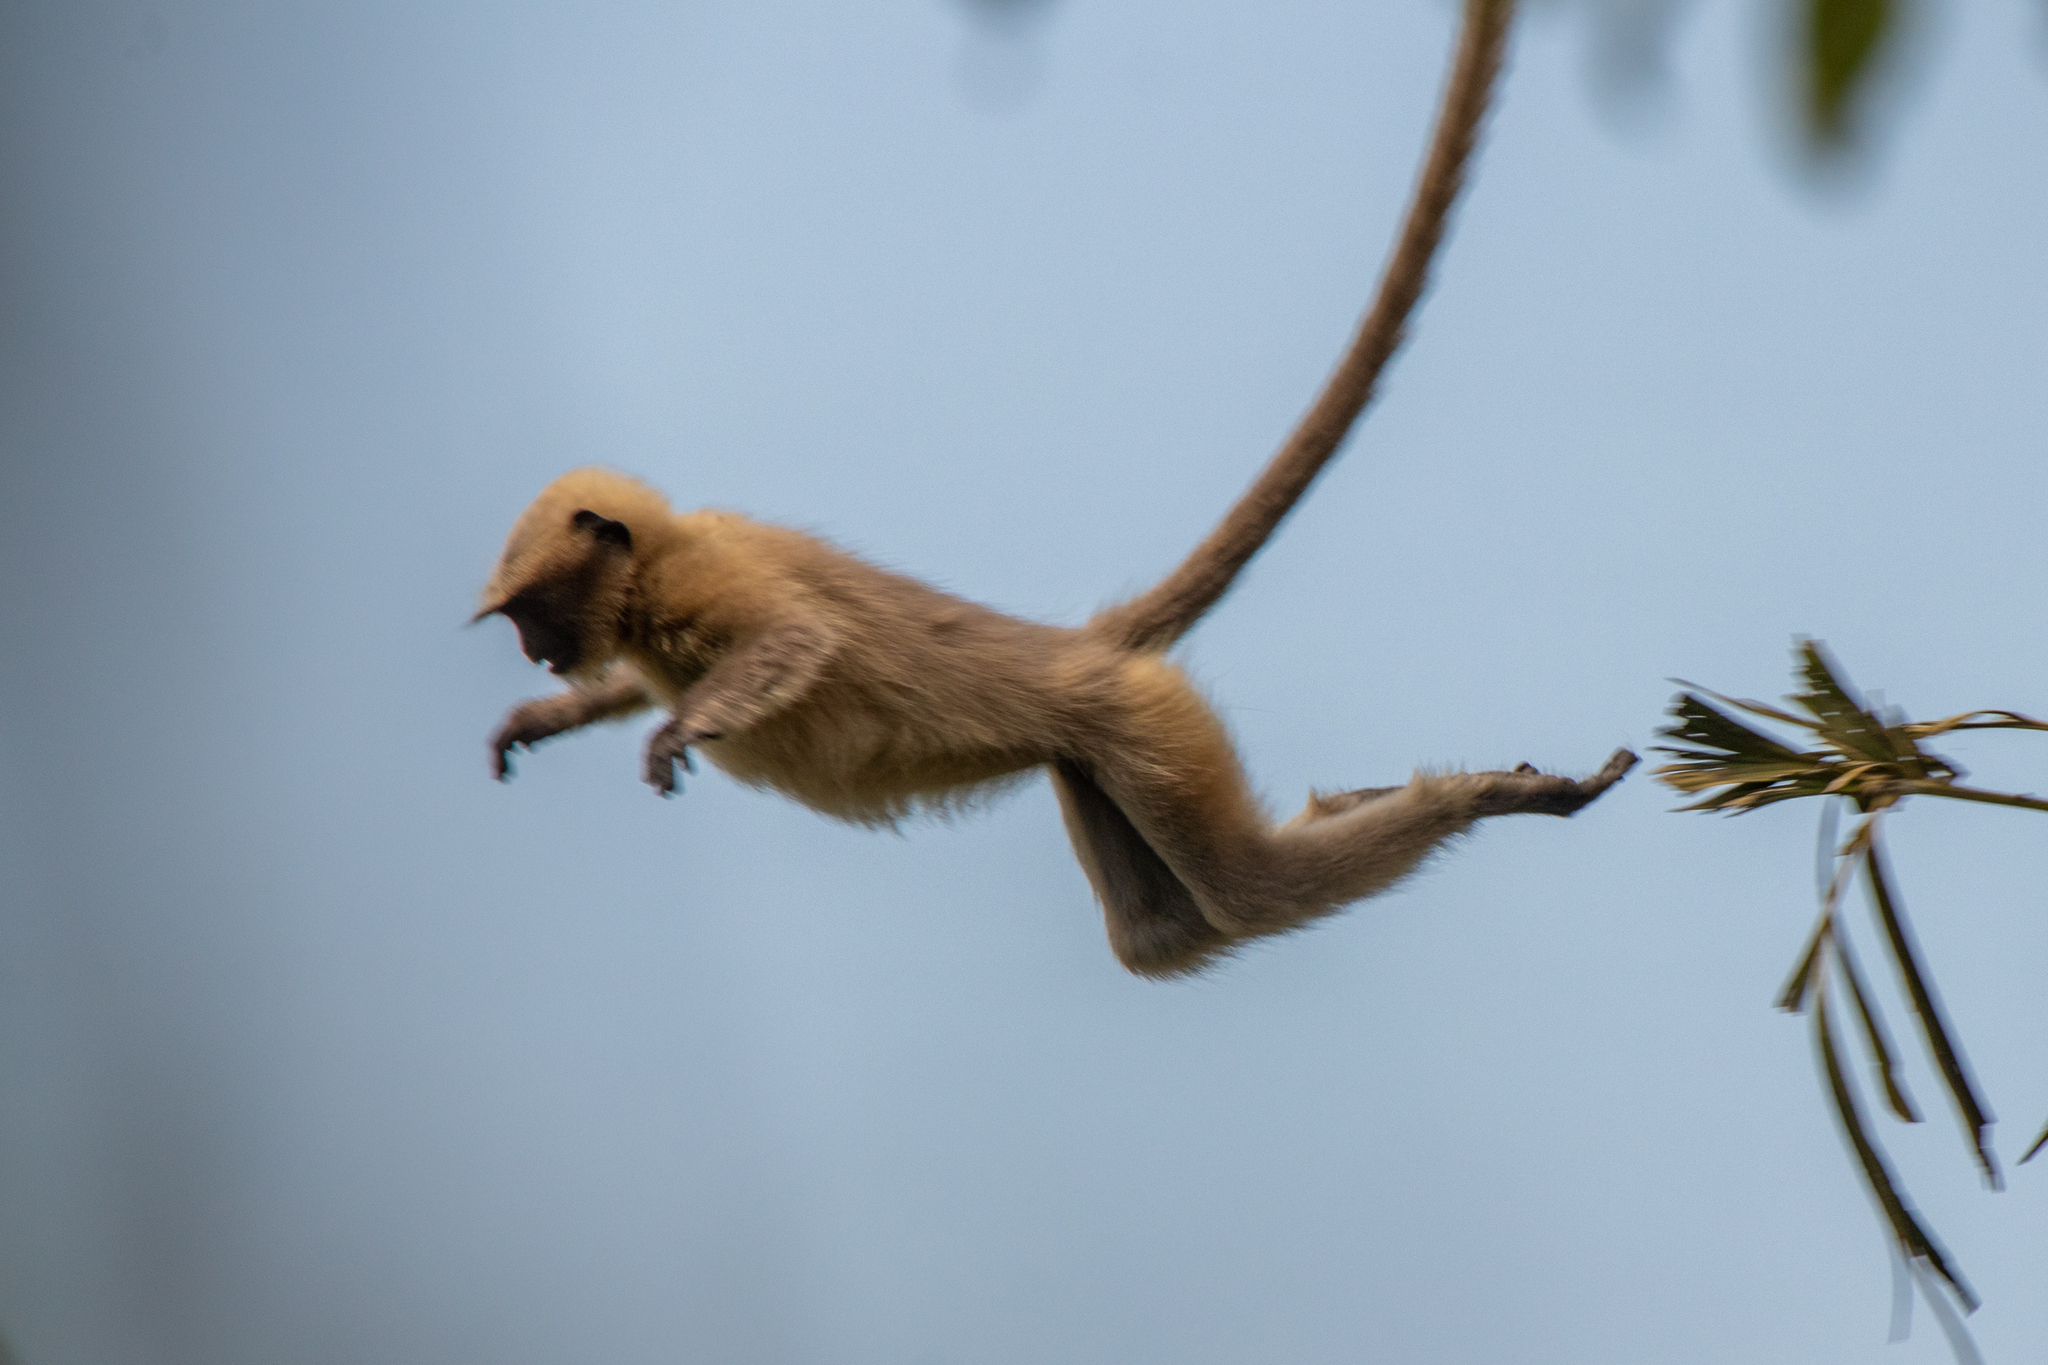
(502, 744)
(508, 739)
(526, 725)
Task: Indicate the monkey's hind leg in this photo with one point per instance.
(1527, 790)
(1186, 800)
(1323, 805)
(1155, 927)
(1359, 843)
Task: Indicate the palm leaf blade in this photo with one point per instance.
(1913, 1239)
(1845, 722)
(1874, 1035)
(1933, 1026)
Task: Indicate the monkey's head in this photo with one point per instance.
(566, 576)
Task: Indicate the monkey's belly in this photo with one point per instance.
(868, 783)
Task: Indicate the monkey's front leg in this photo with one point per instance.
(528, 723)
(755, 680)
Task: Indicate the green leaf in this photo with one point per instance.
(1842, 40)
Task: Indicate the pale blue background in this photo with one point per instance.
(317, 1046)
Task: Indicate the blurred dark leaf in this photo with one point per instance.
(1835, 59)
(1006, 15)
(1631, 45)
(1843, 40)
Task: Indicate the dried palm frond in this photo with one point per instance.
(1874, 760)
(1870, 759)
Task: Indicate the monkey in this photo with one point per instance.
(871, 696)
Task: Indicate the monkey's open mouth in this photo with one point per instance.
(560, 657)
(543, 638)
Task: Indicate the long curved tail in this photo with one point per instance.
(1155, 619)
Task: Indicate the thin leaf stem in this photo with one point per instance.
(1924, 787)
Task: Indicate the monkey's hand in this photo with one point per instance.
(528, 723)
(669, 746)
(620, 694)
(1525, 791)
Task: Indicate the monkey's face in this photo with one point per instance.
(567, 593)
(549, 619)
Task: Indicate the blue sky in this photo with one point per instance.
(321, 1047)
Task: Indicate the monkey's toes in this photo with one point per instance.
(1618, 763)
(1526, 791)
(1588, 790)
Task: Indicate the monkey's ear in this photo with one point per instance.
(607, 531)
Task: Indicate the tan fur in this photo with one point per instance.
(870, 696)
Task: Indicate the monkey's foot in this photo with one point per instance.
(1525, 791)
(667, 747)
